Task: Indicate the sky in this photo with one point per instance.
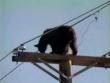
(22, 20)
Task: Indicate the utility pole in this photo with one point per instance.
(65, 62)
(66, 69)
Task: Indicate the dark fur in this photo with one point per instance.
(59, 39)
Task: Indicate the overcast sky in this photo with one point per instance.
(22, 20)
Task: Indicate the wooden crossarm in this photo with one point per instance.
(57, 59)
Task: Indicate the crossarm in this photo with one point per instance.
(57, 59)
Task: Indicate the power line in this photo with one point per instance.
(11, 71)
(90, 15)
(5, 56)
(85, 13)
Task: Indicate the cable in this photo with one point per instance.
(10, 71)
(84, 33)
(86, 12)
(89, 15)
(5, 56)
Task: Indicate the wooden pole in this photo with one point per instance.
(66, 69)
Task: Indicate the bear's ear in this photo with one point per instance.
(36, 45)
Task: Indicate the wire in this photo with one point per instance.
(10, 71)
(86, 12)
(84, 33)
(89, 15)
(5, 56)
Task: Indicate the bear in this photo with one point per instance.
(60, 39)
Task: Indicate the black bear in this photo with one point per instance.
(59, 38)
